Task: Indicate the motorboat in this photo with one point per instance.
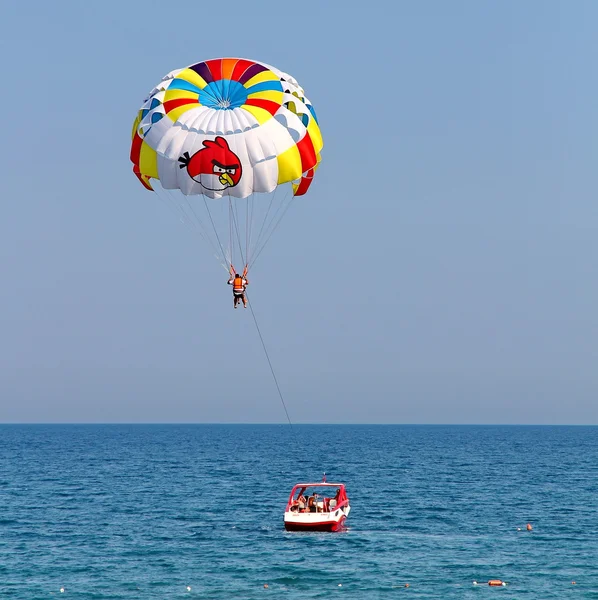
(317, 507)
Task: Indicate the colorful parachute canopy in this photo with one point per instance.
(226, 127)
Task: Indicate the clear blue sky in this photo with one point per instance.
(444, 263)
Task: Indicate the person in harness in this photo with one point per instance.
(239, 283)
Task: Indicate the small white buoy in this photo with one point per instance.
(340, 585)
(188, 588)
(61, 590)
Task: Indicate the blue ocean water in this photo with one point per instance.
(146, 511)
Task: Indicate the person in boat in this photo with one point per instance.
(312, 503)
(239, 283)
(334, 501)
(301, 501)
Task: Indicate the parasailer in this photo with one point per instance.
(228, 143)
(239, 283)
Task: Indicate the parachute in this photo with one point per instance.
(227, 144)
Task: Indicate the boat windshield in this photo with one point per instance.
(316, 498)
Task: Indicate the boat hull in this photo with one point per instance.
(334, 521)
(324, 526)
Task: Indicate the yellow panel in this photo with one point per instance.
(177, 94)
(148, 161)
(261, 114)
(289, 165)
(192, 77)
(268, 95)
(263, 76)
(136, 124)
(314, 133)
(175, 113)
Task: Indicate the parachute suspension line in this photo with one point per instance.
(194, 225)
(175, 208)
(276, 213)
(275, 226)
(268, 229)
(237, 222)
(252, 201)
(201, 229)
(270, 364)
(233, 220)
(231, 239)
(259, 235)
(178, 213)
(247, 228)
(214, 226)
(219, 251)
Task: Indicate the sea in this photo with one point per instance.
(196, 511)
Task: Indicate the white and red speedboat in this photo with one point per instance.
(317, 507)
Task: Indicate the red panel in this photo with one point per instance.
(240, 68)
(172, 104)
(307, 152)
(215, 67)
(305, 183)
(136, 148)
(270, 106)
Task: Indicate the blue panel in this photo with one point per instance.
(264, 87)
(223, 94)
(181, 84)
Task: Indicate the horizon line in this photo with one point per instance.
(286, 424)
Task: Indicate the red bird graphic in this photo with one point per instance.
(215, 167)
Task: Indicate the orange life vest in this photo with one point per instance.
(238, 285)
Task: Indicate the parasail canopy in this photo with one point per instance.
(227, 128)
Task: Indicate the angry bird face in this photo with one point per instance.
(215, 167)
